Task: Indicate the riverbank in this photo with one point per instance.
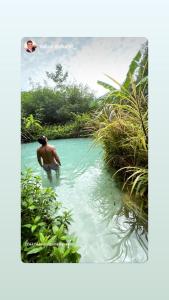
(80, 127)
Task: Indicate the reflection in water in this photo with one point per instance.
(107, 204)
(106, 230)
(128, 235)
(128, 232)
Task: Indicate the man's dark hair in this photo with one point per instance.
(29, 42)
(42, 140)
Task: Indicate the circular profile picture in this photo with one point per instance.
(30, 46)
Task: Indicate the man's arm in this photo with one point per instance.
(39, 158)
(56, 157)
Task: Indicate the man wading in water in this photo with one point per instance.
(48, 155)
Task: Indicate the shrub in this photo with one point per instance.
(45, 234)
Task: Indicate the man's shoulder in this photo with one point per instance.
(51, 147)
(38, 150)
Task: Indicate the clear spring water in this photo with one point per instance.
(88, 190)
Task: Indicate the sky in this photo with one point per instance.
(86, 59)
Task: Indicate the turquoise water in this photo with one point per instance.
(87, 189)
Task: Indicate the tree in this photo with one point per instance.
(58, 77)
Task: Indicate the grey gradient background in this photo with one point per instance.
(84, 18)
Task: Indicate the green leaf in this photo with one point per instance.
(63, 238)
(33, 228)
(41, 224)
(51, 241)
(37, 219)
(35, 250)
(132, 68)
(27, 225)
(32, 207)
(106, 85)
(74, 249)
(66, 252)
(55, 229)
(142, 81)
(42, 238)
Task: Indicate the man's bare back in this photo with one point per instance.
(47, 156)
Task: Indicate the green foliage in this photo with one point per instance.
(30, 127)
(123, 127)
(81, 126)
(137, 177)
(106, 85)
(45, 236)
(56, 106)
(57, 113)
(132, 69)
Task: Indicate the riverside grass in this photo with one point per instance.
(123, 131)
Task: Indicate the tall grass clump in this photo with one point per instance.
(123, 128)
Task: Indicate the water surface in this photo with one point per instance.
(87, 189)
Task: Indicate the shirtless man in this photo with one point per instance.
(47, 157)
